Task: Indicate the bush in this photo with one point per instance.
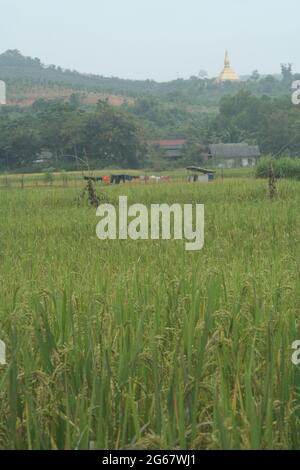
(48, 177)
(284, 167)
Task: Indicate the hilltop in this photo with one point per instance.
(29, 79)
(57, 107)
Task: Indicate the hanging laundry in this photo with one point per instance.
(117, 179)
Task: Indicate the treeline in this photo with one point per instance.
(61, 135)
(25, 71)
(166, 121)
(273, 124)
(65, 135)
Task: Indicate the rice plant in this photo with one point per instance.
(140, 344)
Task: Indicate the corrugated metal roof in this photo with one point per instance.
(171, 143)
(234, 150)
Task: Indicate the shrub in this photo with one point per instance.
(284, 167)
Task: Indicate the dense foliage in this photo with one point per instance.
(283, 168)
(70, 137)
(257, 111)
(109, 136)
(23, 73)
(273, 124)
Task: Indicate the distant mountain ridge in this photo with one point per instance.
(14, 66)
(29, 79)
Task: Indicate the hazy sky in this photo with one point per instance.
(159, 39)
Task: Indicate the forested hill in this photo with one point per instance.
(14, 66)
(24, 73)
(60, 110)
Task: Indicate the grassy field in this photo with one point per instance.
(75, 179)
(140, 344)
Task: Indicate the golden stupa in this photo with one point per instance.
(228, 74)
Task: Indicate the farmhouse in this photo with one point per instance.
(233, 155)
(172, 149)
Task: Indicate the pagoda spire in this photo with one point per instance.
(227, 61)
(227, 74)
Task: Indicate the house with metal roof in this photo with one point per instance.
(172, 149)
(233, 155)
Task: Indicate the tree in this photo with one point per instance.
(20, 142)
(255, 76)
(112, 136)
(287, 72)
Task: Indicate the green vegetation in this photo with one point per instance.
(117, 137)
(23, 74)
(139, 344)
(74, 179)
(72, 137)
(74, 130)
(274, 124)
(283, 168)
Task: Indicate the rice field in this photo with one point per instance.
(74, 179)
(140, 344)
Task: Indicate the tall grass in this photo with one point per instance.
(75, 178)
(140, 344)
(284, 167)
